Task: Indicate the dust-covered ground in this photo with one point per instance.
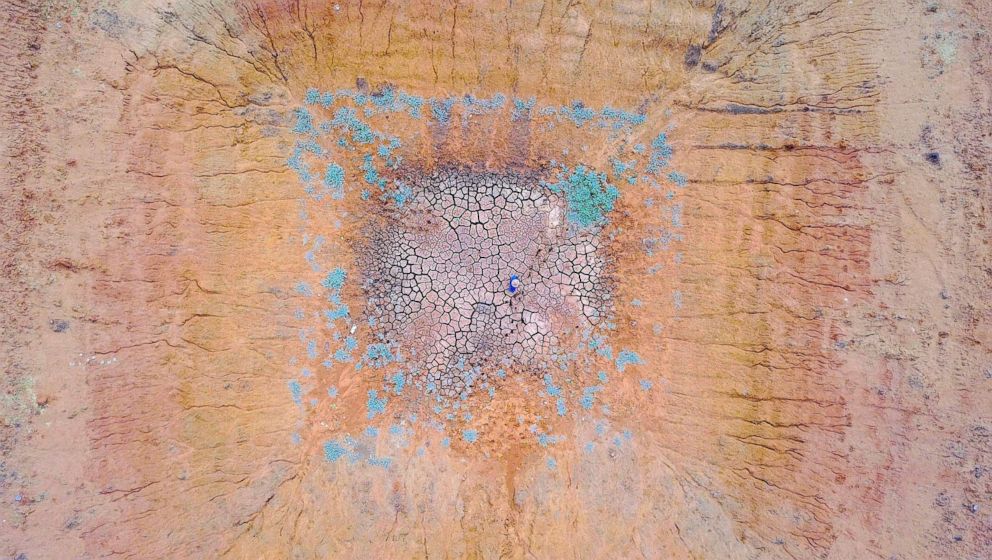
(257, 262)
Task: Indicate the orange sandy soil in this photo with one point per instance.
(824, 391)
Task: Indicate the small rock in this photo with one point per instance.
(58, 325)
(692, 56)
(942, 499)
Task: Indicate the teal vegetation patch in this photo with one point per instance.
(589, 195)
(335, 279)
(522, 108)
(296, 390)
(375, 404)
(334, 451)
(661, 153)
(626, 358)
(334, 181)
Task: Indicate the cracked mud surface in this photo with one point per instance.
(776, 345)
(438, 273)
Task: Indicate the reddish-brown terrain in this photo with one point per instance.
(794, 358)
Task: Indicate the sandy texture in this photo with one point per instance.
(815, 376)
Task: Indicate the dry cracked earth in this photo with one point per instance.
(529, 279)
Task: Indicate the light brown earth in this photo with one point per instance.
(824, 391)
